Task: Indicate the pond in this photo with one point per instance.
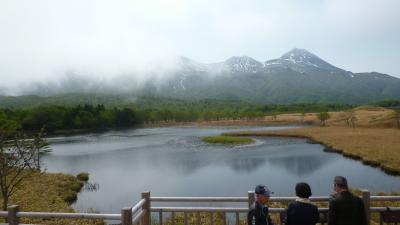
(173, 161)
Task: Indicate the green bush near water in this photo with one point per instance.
(83, 176)
(228, 140)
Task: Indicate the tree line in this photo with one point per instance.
(87, 116)
(53, 118)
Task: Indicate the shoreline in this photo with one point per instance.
(212, 123)
(330, 140)
(54, 192)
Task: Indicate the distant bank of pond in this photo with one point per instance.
(173, 161)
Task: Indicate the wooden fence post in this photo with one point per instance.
(126, 216)
(12, 215)
(250, 198)
(366, 196)
(146, 206)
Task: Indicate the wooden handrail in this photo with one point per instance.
(198, 199)
(138, 205)
(139, 216)
(140, 212)
(69, 215)
(198, 209)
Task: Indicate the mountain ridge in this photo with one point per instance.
(298, 76)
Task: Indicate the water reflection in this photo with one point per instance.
(245, 165)
(302, 163)
(91, 187)
(175, 162)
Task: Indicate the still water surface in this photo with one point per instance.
(173, 161)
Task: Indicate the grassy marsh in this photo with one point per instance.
(374, 140)
(228, 140)
(49, 192)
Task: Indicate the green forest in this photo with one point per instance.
(79, 112)
(34, 113)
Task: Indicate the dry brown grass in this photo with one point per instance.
(49, 192)
(367, 116)
(374, 140)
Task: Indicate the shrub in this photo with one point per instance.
(83, 176)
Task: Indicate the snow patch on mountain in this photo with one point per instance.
(244, 64)
(181, 83)
(302, 61)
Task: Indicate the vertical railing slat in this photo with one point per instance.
(366, 196)
(185, 216)
(126, 216)
(12, 215)
(224, 218)
(160, 217)
(237, 218)
(173, 218)
(146, 218)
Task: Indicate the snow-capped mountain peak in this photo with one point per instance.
(243, 64)
(301, 60)
(299, 56)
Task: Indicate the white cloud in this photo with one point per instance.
(364, 16)
(41, 39)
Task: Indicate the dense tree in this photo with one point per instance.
(125, 117)
(391, 103)
(146, 110)
(8, 124)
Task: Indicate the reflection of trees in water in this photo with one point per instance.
(185, 166)
(245, 164)
(91, 187)
(297, 160)
(301, 165)
(188, 163)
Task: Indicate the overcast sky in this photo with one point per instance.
(41, 39)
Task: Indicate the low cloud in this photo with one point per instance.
(42, 40)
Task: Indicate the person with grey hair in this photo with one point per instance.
(345, 208)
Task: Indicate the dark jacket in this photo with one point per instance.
(258, 215)
(300, 213)
(346, 209)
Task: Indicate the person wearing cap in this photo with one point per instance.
(302, 212)
(258, 214)
(345, 208)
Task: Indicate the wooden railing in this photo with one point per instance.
(140, 214)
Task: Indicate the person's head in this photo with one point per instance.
(262, 194)
(340, 184)
(303, 190)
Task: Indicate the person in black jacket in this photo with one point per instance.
(302, 212)
(258, 215)
(345, 208)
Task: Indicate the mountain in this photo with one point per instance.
(243, 64)
(298, 76)
(301, 60)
